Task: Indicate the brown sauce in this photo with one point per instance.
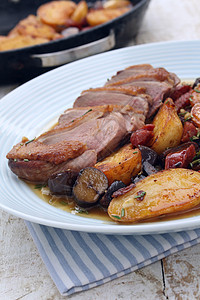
(69, 205)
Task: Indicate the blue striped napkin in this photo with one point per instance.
(79, 261)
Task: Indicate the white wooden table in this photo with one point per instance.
(22, 272)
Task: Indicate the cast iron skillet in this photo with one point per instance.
(23, 64)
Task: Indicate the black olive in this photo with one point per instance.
(148, 155)
(138, 178)
(62, 183)
(148, 168)
(116, 185)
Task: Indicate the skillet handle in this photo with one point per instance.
(62, 57)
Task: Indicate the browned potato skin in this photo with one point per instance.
(116, 3)
(121, 165)
(20, 41)
(33, 27)
(168, 191)
(80, 12)
(100, 16)
(168, 128)
(56, 13)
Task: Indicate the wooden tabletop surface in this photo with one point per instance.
(22, 272)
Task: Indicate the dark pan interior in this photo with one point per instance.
(18, 65)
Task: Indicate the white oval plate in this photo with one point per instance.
(30, 109)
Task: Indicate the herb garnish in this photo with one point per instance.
(197, 91)
(81, 210)
(195, 162)
(39, 186)
(87, 112)
(140, 195)
(63, 203)
(26, 159)
(115, 216)
(188, 118)
(29, 141)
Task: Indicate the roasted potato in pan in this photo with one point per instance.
(56, 13)
(116, 3)
(121, 165)
(100, 16)
(80, 12)
(166, 192)
(19, 41)
(58, 19)
(32, 26)
(168, 128)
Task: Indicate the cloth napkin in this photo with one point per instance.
(79, 261)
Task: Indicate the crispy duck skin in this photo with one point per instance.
(55, 153)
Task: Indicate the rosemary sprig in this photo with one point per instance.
(117, 217)
(29, 141)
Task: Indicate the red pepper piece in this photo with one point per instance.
(189, 130)
(142, 136)
(180, 159)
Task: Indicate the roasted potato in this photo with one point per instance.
(100, 16)
(168, 128)
(121, 165)
(116, 3)
(56, 13)
(20, 41)
(166, 192)
(33, 27)
(80, 12)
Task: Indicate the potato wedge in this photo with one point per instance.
(121, 165)
(168, 128)
(166, 192)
